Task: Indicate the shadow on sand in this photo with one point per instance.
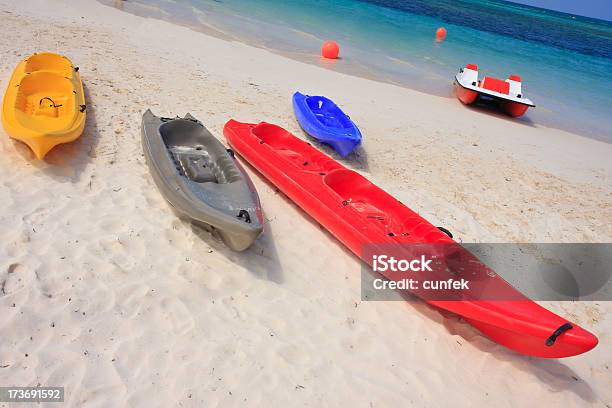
(494, 109)
(357, 160)
(260, 259)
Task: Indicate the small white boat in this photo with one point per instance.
(508, 92)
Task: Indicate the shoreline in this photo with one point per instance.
(351, 66)
(113, 297)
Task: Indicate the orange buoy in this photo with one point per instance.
(330, 49)
(441, 34)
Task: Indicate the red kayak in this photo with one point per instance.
(359, 213)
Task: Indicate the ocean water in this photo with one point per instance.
(565, 61)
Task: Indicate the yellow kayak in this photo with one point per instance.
(44, 103)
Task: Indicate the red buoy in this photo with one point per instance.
(441, 34)
(330, 49)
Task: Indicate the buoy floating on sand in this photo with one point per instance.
(330, 50)
(440, 34)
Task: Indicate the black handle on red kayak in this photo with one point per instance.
(447, 232)
(553, 337)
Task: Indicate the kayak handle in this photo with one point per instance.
(82, 108)
(52, 103)
(447, 232)
(244, 214)
(553, 337)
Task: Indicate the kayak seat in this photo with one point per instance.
(45, 100)
(49, 62)
(288, 146)
(378, 208)
(197, 168)
(329, 120)
(327, 113)
(191, 157)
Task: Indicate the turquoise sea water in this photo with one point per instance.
(565, 61)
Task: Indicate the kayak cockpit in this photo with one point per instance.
(192, 159)
(45, 102)
(287, 146)
(328, 113)
(49, 62)
(377, 209)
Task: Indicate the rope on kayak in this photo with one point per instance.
(447, 232)
(553, 337)
(244, 215)
(52, 103)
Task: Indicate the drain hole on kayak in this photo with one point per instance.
(199, 147)
(305, 163)
(321, 174)
(391, 234)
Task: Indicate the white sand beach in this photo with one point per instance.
(107, 293)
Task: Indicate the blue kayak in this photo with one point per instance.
(322, 119)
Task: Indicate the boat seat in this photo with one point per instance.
(470, 74)
(515, 85)
(495, 85)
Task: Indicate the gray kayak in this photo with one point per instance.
(201, 179)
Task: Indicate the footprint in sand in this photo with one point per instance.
(131, 299)
(15, 279)
(179, 316)
(36, 216)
